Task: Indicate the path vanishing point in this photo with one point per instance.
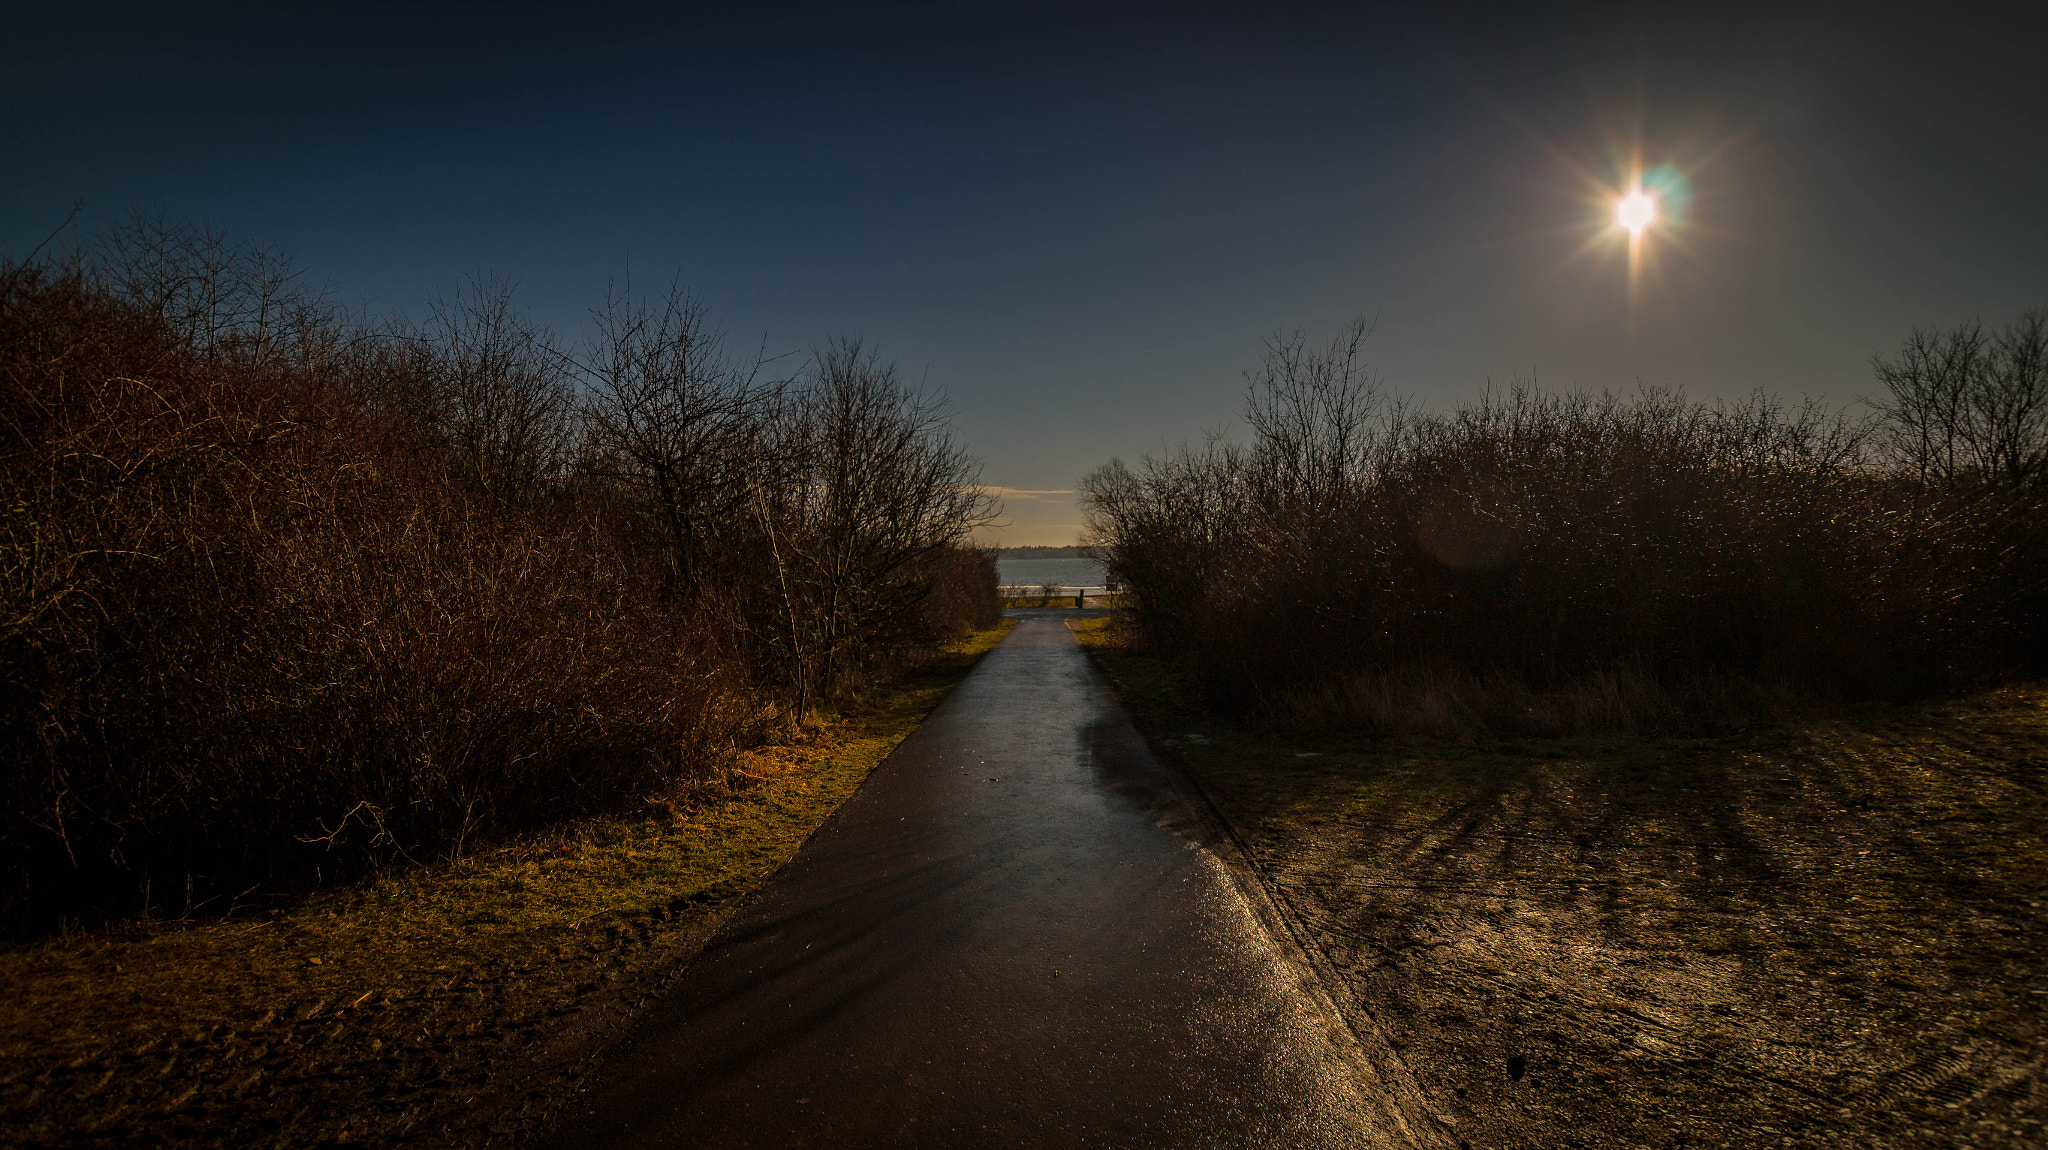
(1017, 933)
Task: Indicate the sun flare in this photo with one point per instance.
(1635, 212)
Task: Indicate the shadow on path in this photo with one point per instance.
(1010, 936)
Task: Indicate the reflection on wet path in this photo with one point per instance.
(1010, 936)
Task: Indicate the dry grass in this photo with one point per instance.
(1441, 700)
(1812, 933)
(383, 1012)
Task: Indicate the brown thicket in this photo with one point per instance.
(287, 593)
(1565, 562)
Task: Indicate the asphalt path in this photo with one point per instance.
(1018, 933)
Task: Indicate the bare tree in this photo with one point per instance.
(497, 392)
(1316, 414)
(814, 515)
(269, 575)
(218, 297)
(2013, 403)
(673, 415)
(1163, 526)
(882, 490)
(1964, 405)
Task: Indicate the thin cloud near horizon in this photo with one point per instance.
(1023, 493)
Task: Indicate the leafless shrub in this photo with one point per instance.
(221, 300)
(1534, 548)
(283, 598)
(1964, 406)
(873, 494)
(497, 394)
(1163, 528)
(671, 416)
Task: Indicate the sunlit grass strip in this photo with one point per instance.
(550, 910)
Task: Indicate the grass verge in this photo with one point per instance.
(441, 1005)
(1819, 933)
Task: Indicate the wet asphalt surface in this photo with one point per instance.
(1012, 936)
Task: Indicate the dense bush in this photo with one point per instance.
(287, 594)
(1555, 562)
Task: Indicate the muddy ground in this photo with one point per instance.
(1824, 934)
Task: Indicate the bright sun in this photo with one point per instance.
(1635, 212)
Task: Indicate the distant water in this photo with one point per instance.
(1037, 572)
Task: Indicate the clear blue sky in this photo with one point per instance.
(1081, 222)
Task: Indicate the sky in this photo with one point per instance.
(1082, 223)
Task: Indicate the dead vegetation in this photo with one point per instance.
(1816, 933)
(452, 1004)
(1552, 563)
(1577, 732)
(287, 594)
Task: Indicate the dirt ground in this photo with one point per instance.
(474, 1058)
(1825, 934)
(447, 1005)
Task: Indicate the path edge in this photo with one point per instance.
(1387, 1080)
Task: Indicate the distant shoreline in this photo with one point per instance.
(1074, 552)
